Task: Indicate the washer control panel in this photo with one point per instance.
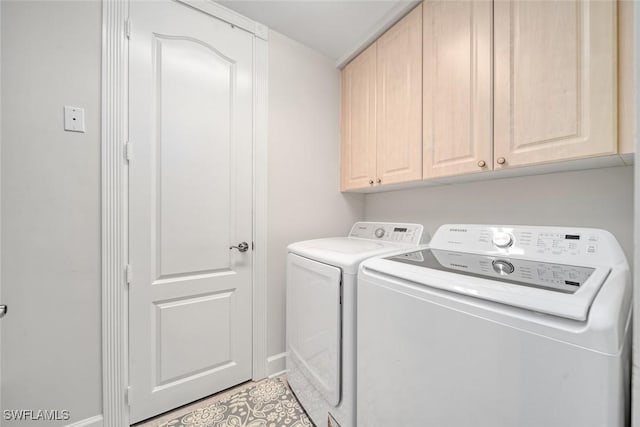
(552, 276)
(502, 267)
(388, 232)
(540, 274)
(553, 244)
(502, 239)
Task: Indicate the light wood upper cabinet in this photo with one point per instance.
(555, 81)
(627, 82)
(382, 109)
(457, 105)
(358, 160)
(399, 101)
(461, 87)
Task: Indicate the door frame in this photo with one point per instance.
(116, 394)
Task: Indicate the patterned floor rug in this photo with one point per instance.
(268, 403)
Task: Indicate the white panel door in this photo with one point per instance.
(190, 201)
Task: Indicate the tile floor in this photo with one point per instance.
(266, 403)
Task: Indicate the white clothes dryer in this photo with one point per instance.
(320, 322)
(496, 326)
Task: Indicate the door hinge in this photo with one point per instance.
(127, 151)
(129, 273)
(127, 28)
(127, 396)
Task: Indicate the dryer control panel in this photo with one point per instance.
(555, 244)
(388, 232)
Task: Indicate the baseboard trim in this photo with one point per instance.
(96, 421)
(276, 364)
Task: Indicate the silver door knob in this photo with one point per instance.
(242, 247)
(3, 310)
(379, 181)
(501, 160)
(482, 164)
(370, 182)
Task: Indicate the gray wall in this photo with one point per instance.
(600, 198)
(51, 345)
(304, 201)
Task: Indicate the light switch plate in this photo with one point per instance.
(74, 119)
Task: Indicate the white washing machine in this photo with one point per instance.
(496, 326)
(321, 302)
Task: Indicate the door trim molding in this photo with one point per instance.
(114, 216)
(114, 192)
(260, 141)
(227, 15)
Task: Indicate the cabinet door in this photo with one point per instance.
(399, 104)
(358, 158)
(457, 87)
(555, 81)
(627, 82)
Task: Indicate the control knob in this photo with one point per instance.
(379, 232)
(502, 239)
(502, 267)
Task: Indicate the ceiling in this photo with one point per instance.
(336, 29)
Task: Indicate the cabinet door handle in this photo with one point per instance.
(3, 310)
(370, 182)
(379, 181)
(482, 164)
(501, 160)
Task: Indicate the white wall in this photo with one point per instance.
(304, 201)
(599, 198)
(51, 345)
(51, 195)
(635, 391)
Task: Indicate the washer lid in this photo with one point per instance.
(344, 252)
(560, 290)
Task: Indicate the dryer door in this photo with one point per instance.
(314, 323)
